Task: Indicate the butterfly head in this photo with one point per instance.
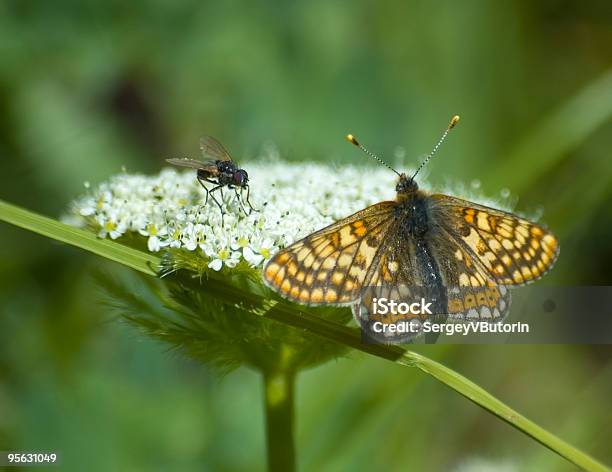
(406, 185)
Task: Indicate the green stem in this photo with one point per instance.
(299, 317)
(279, 389)
(53, 229)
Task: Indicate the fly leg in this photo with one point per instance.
(218, 187)
(205, 188)
(249, 201)
(239, 198)
(209, 193)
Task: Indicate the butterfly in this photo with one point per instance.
(218, 169)
(463, 255)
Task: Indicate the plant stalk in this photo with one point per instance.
(279, 390)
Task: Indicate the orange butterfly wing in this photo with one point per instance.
(512, 250)
(330, 265)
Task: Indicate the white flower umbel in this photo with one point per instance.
(293, 200)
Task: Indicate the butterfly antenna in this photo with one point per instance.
(351, 139)
(454, 120)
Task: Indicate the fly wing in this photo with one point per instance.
(191, 163)
(213, 149)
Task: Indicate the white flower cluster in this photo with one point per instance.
(292, 199)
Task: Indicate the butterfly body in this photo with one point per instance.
(412, 215)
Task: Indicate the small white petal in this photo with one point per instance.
(153, 244)
(251, 257)
(87, 211)
(215, 264)
(190, 245)
(231, 263)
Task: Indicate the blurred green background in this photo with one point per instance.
(89, 87)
